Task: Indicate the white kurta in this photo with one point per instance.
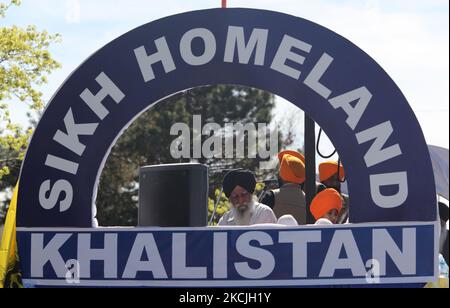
(323, 221)
(261, 214)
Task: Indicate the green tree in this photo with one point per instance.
(148, 141)
(25, 61)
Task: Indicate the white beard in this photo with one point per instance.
(243, 218)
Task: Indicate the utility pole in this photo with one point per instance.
(310, 160)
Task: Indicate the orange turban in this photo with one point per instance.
(292, 169)
(292, 166)
(292, 153)
(330, 168)
(325, 201)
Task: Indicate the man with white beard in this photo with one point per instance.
(239, 186)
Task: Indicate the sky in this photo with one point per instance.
(408, 38)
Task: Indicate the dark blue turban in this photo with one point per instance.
(244, 178)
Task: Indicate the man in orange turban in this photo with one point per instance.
(328, 174)
(289, 198)
(326, 205)
(331, 176)
(292, 167)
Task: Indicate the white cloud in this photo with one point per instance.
(73, 11)
(135, 10)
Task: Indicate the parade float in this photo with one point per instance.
(393, 234)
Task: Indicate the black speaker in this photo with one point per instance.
(174, 195)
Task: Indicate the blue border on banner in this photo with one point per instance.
(279, 262)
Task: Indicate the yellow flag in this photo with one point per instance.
(441, 283)
(10, 276)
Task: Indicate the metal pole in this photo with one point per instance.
(310, 157)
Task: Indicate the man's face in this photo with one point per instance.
(333, 182)
(332, 215)
(240, 199)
